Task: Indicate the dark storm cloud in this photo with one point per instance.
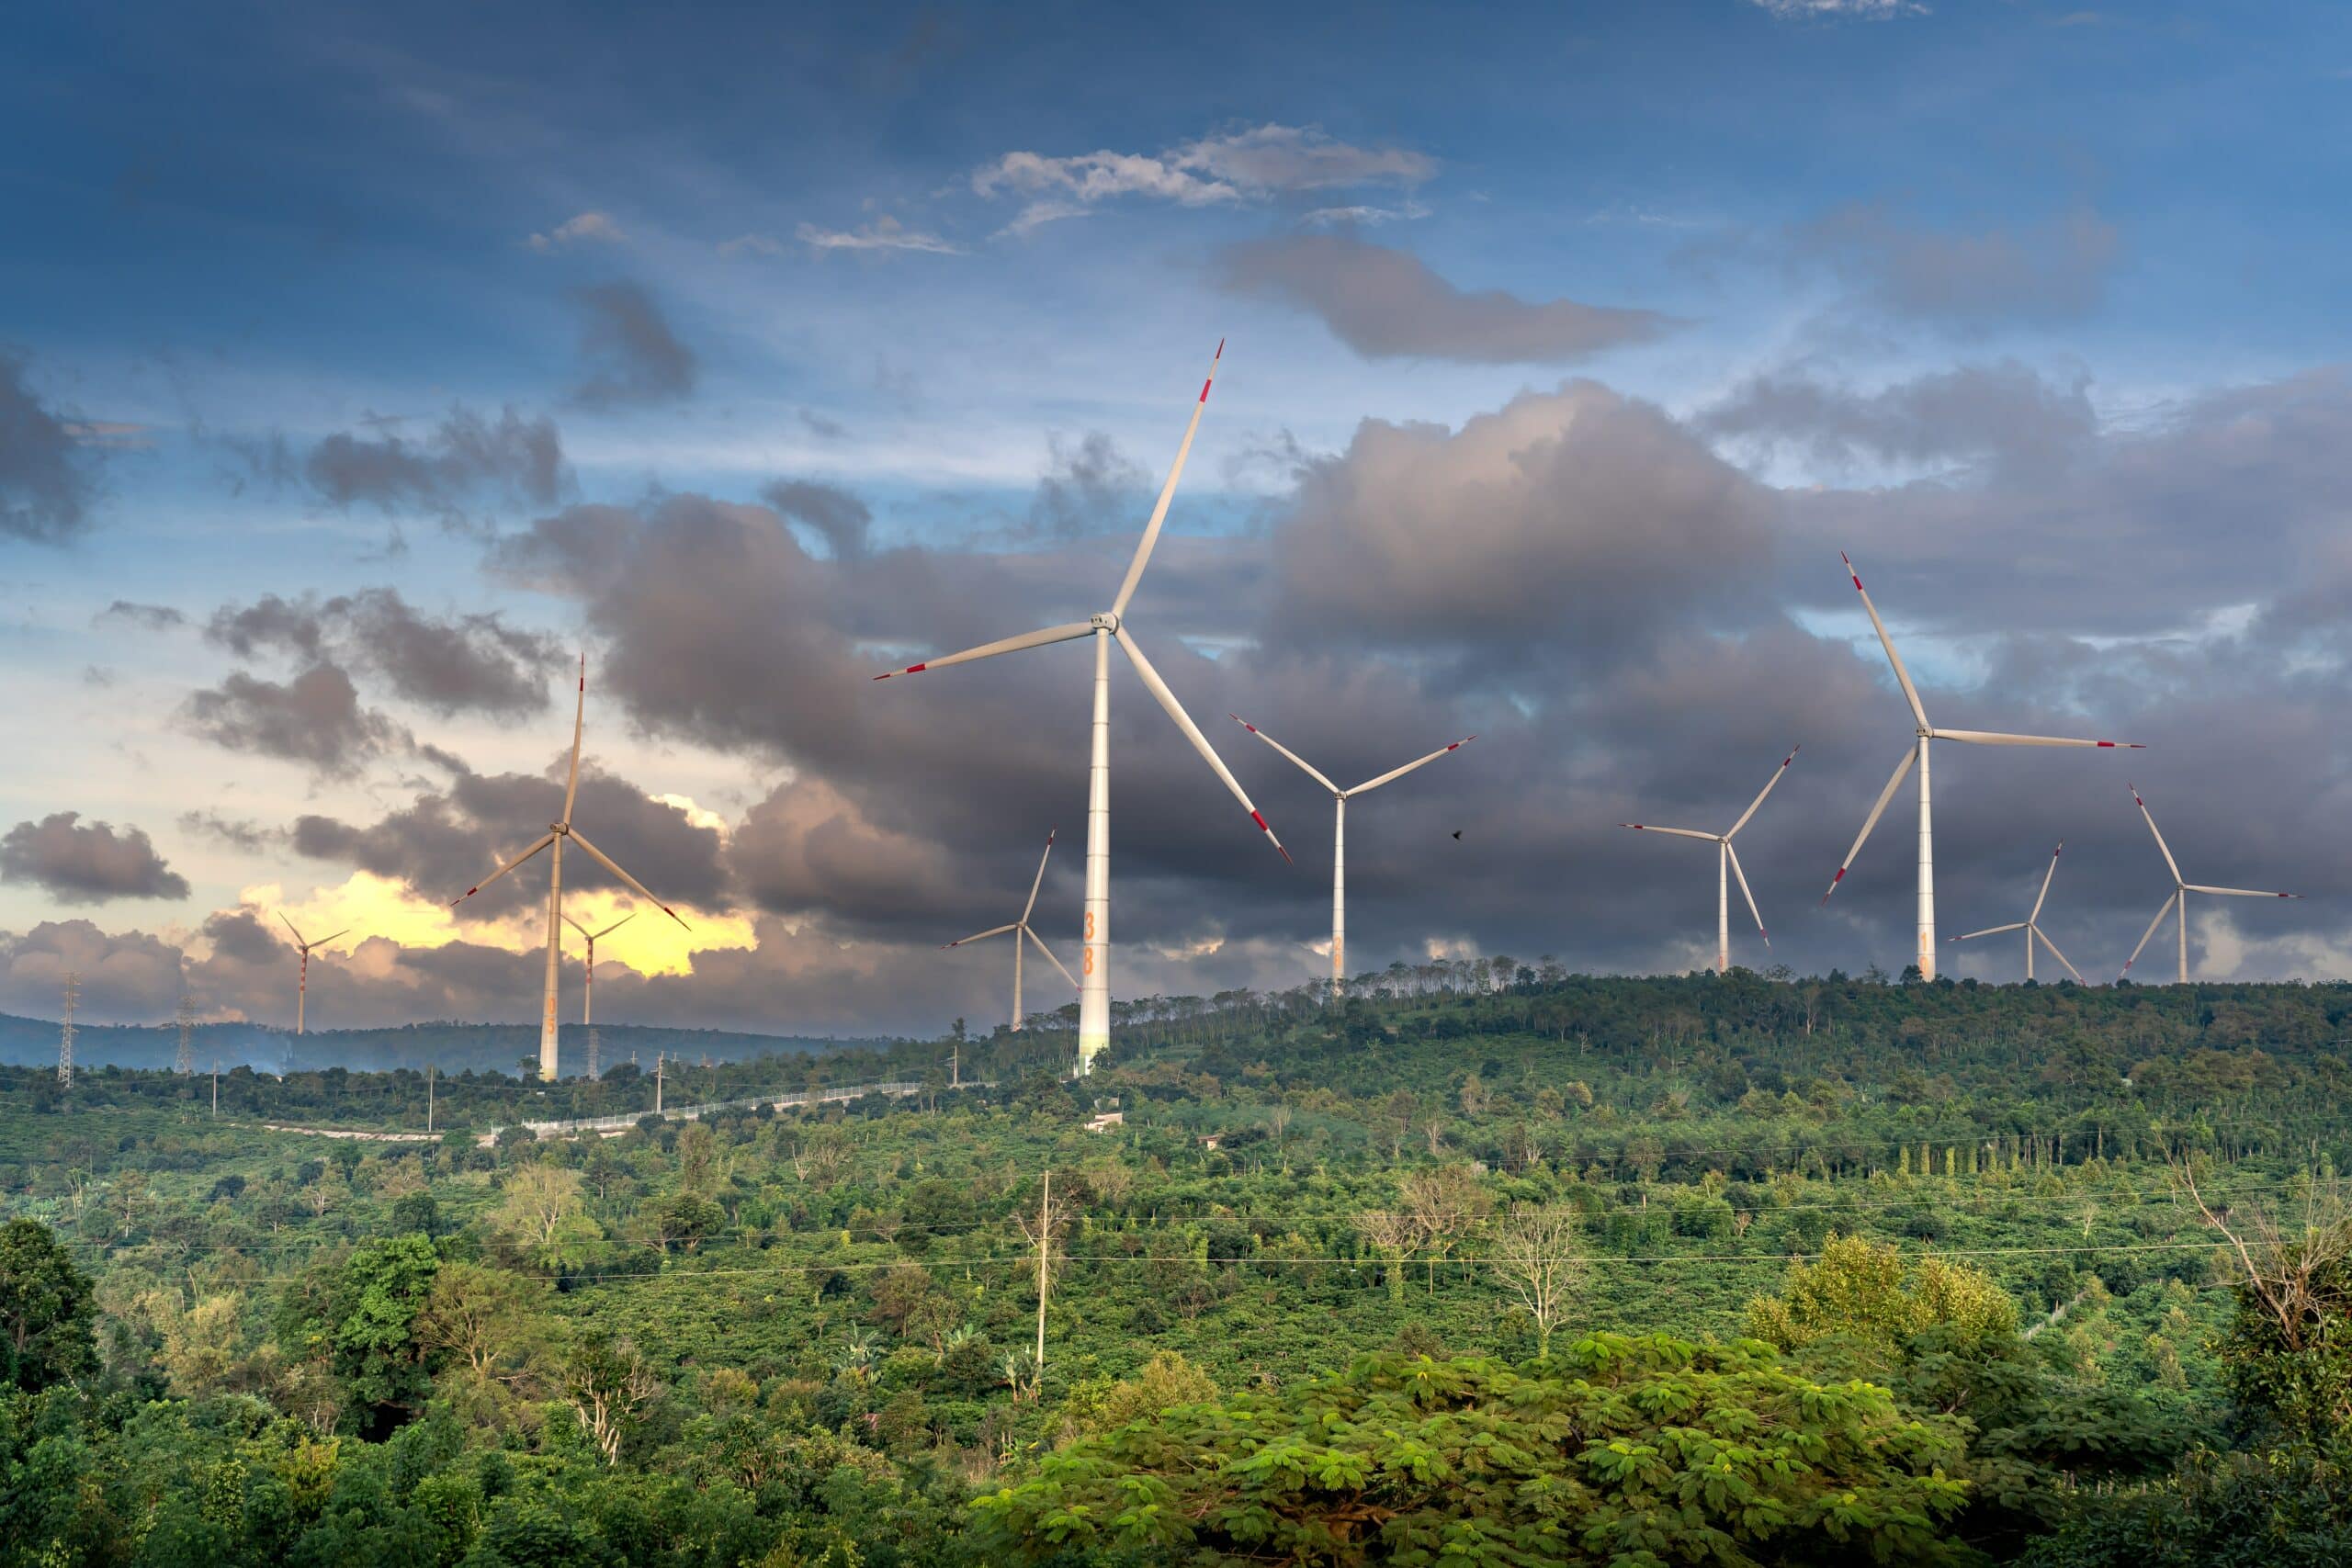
(2227, 501)
(78, 862)
(443, 842)
(627, 352)
(47, 482)
(449, 665)
(1088, 487)
(1577, 518)
(1611, 583)
(315, 719)
(2057, 269)
(146, 617)
(1385, 304)
(2004, 414)
(238, 833)
(839, 517)
(463, 458)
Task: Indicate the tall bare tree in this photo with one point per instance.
(1444, 1204)
(1537, 1251)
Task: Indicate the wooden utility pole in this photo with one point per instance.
(216, 1086)
(1044, 1244)
(428, 1095)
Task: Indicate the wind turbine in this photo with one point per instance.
(2179, 899)
(1917, 753)
(588, 991)
(1728, 860)
(1020, 928)
(1105, 627)
(557, 832)
(1339, 798)
(2032, 931)
(303, 986)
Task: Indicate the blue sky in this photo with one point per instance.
(2042, 304)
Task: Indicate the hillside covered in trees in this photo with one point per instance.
(1483, 1263)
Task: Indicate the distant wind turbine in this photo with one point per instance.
(557, 832)
(302, 985)
(588, 991)
(2178, 902)
(1728, 860)
(1339, 798)
(1020, 929)
(1917, 753)
(1109, 626)
(2032, 931)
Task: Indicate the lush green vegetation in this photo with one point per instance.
(1486, 1263)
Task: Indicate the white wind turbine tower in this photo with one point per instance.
(302, 984)
(1020, 929)
(1339, 798)
(1728, 860)
(2032, 931)
(557, 832)
(1105, 627)
(2178, 902)
(1917, 753)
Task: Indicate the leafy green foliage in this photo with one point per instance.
(45, 1310)
(1619, 1451)
(802, 1336)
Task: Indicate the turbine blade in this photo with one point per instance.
(1991, 931)
(982, 936)
(617, 925)
(2162, 910)
(1901, 769)
(601, 858)
(1167, 493)
(1994, 737)
(583, 930)
(1305, 765)
(1733, 855)
(1760, 793)
(290, 926)
(1048, 952)
(2193, 887)
(331, 935)
(579, 717)
(545, 839)
(1394, 773)
(1167, 699)
(1677, 832)
(2170, 864)
(990, 649)
(2045, 883)
(2059, 956)
(1910, 692)
(1040, 881)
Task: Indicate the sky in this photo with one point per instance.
(362, 370)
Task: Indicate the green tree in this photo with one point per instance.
(1622, 1450)
(46, 1310)
(1864, 1291)
(379, 1298)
